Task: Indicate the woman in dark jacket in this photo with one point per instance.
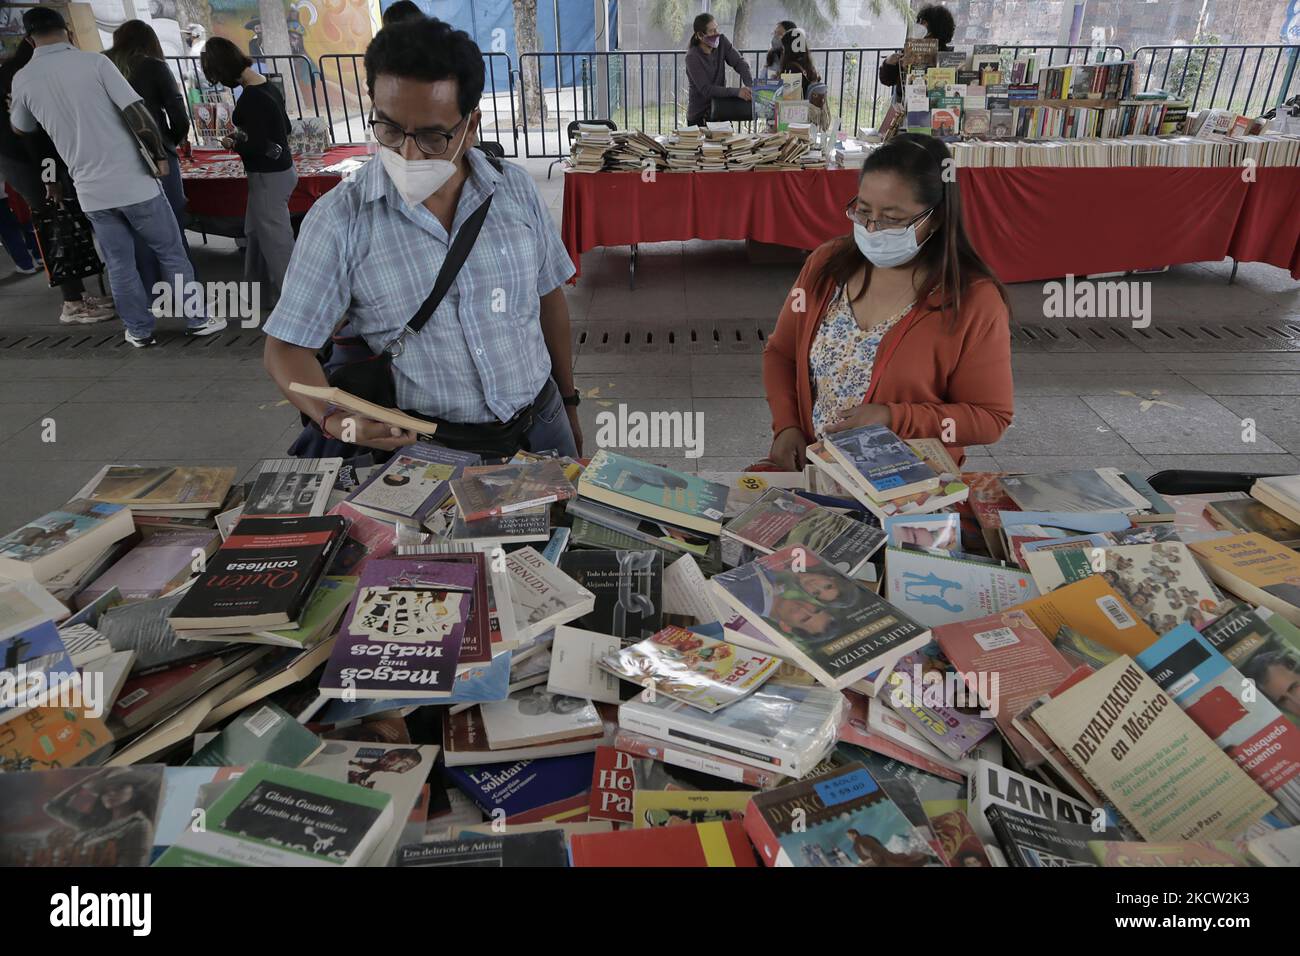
(933, 22)
(707, 60)
(138, 55)
(261, 139)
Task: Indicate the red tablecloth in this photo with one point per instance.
(1031, 223)
(215, 184)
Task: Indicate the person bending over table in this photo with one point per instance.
(900, 324)
(493, 365)
(261, 139)
(706, 70)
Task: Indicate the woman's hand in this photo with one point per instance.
(789, 450)
(357, 430)
(894, 57)
(860, 416)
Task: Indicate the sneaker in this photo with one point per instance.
(210, 327)
(99, 305)
(140, 343)
(78, 313)
(30, 271)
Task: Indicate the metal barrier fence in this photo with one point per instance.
(1247, 78)
(299, 74)
(647, 89)
(347, 104)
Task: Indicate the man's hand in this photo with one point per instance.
(860, 416)
(746, 93)
(789, 450)
(356, 430)
(572, 412)
(163, 167)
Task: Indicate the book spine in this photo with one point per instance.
(690, 760)
(761, 835)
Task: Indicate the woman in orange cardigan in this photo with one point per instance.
(899, 324)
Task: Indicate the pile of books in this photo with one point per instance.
(877, 661)
(597, 148)
(590, 144)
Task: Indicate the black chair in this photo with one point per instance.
(573, 132)
(492, 148)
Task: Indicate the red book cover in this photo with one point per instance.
(719, 843)
(1009, 647)
(611, 786)
(988, 497)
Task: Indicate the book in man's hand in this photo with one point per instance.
(352, 403)
(262, 575)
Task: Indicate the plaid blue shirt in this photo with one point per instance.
(364, 254)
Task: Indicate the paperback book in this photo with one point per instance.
(654, 492)
(500, 489)
(292, 487)
(412, 484)
(628, 590)
(781, 518)
(881, 463)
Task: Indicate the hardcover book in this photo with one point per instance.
(412, 484)
(500, 489)
(628, 590)
(292, 487)
(780, 519)
(654, 492)
(274, 816)
(836, 628)
(262, 575)
(841, 818)
(881, 463)
(80, 816)
(686, 666)
(1130, 739)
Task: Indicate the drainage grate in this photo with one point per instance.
(1120, 336)
(101, 343)
(700, 338)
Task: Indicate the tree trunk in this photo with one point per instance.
(741, 27)
(526, 42)
(275, 31)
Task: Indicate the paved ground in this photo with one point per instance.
(1180, 394)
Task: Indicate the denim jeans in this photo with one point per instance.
(145, 261)
(551, 428)
(16, 237)
(154, 221)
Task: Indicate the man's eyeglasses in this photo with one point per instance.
(431, 142)
(852, 212)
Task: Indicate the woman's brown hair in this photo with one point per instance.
(223, 62)
(133, 41)
(948, 261)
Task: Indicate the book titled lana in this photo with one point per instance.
(412, 484)
(841, 818)
(403, 631)
(654, 492)
(262, 575)
(715, 844)
(1248, 727)
(780, 518)
(274, 816)
(883, 464)
(501, 489)
(697, 670)
(836, 628)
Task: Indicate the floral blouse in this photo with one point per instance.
(841, 359)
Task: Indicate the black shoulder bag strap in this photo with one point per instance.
(451, 266)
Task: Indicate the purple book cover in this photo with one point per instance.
(923, 690)
(403, 632)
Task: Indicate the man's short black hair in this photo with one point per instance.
(428, 50)
(938, 22)
(38, 21)
(401, 11)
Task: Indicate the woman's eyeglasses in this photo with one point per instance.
(852, 212)
(431, 142)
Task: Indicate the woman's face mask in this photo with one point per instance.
(886, 248)
(714, 40)
(918, 31)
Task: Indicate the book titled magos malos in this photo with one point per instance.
(262, 575)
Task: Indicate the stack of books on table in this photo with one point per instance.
(590, 144)
(637, 666)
